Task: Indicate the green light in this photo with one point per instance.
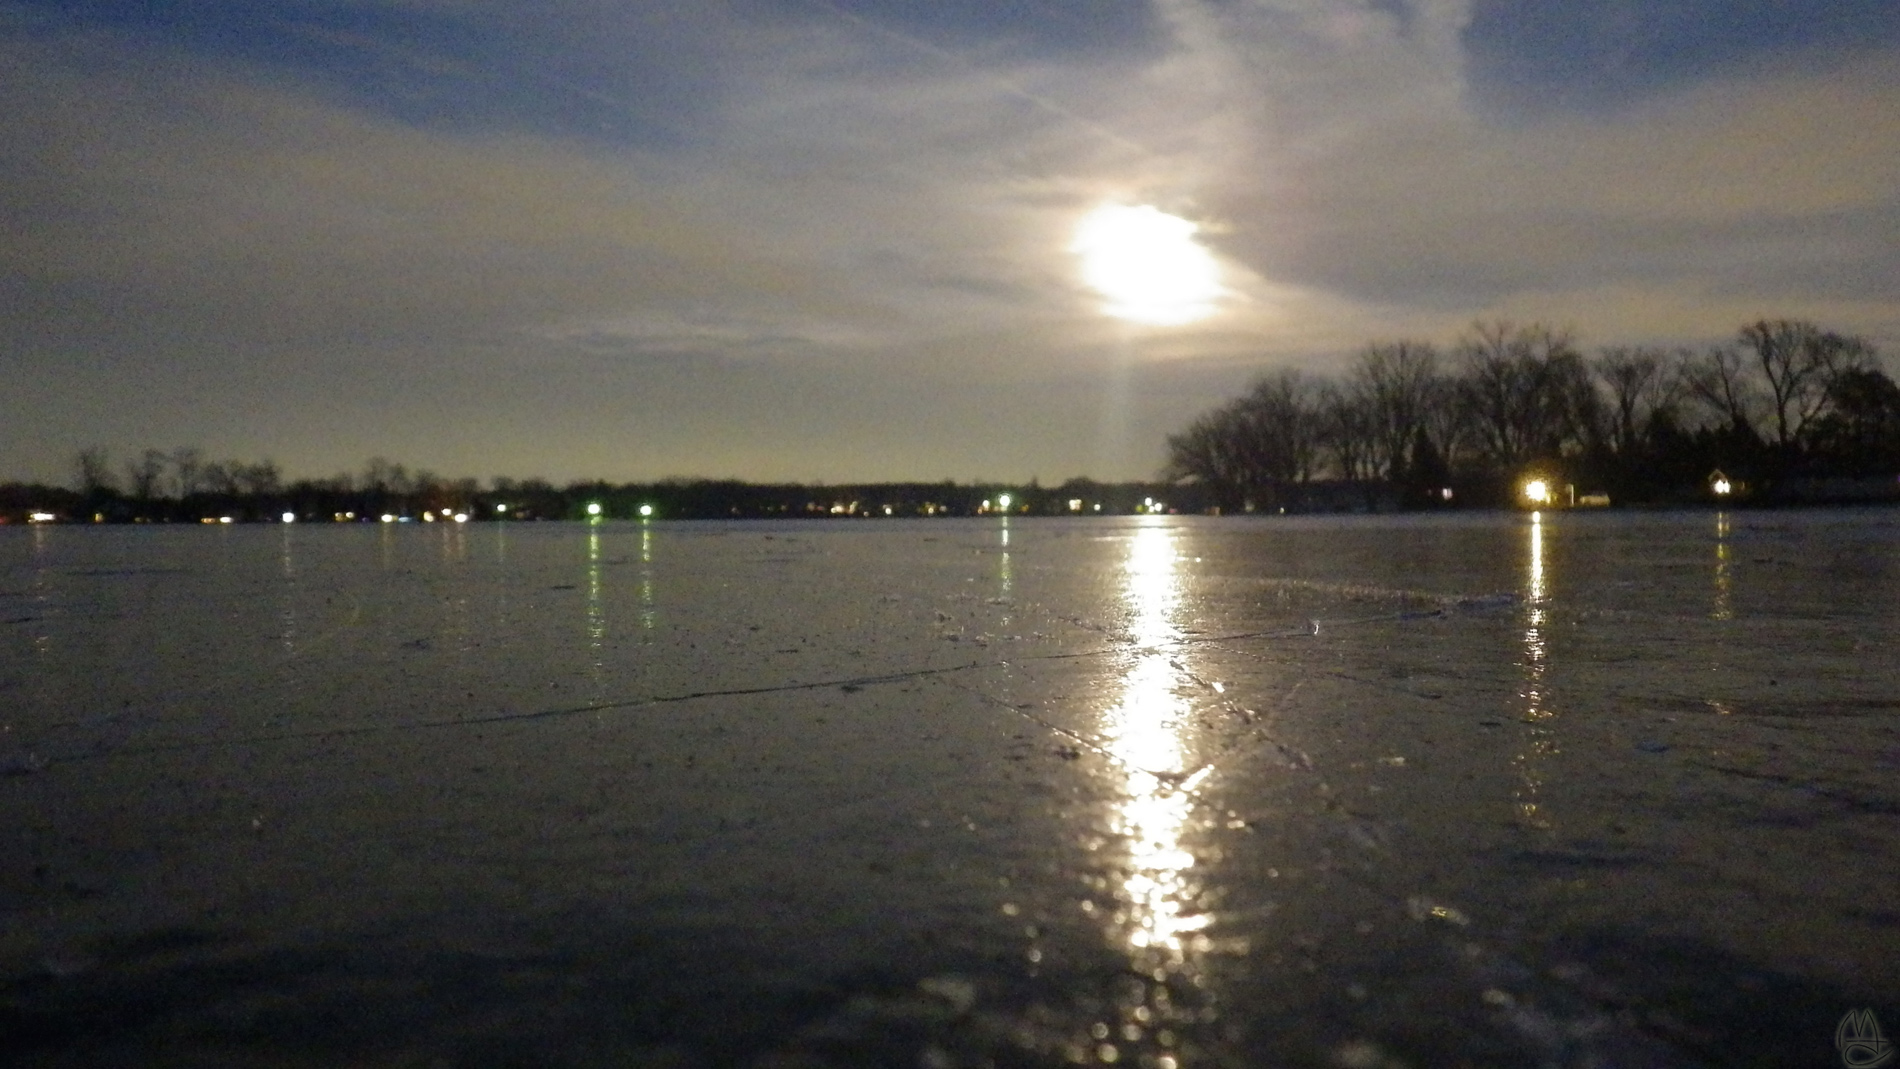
(593, 508)
(646, 511)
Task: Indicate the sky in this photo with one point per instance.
(836, 240)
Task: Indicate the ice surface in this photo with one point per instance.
(1584, 789)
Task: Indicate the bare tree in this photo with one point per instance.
(1527, 390)
(1208, 453)
(1248, 450)
(92, 467)
(1394, 382)
(1347, 430)
(187, 470)
(219, 479)
(385, 477)
(428, 488)
(1788, 356)
(1641, 383)
(1719, 378)
(258, 480)
(145, 476)
(1798, 362)
(1281, 418)
(464, 491)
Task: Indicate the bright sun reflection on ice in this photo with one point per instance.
(1144, 733)
(1147, 264)
(1158, 915)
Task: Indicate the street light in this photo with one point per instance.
(1537, 492)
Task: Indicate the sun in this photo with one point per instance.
(1147, 265)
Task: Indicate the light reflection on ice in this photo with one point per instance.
(455, 543)
(1004, 577)
(386, 546)
(1722, 609)
(1537, 711)
(1156, 919)
(456, 632)
(287, 611)
(596, 616)
(647, 612)
(1536, 594)
(43, 595)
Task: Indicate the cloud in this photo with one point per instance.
(861, 208)
(212, 205)
(1371, 174)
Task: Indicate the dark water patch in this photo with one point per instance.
(1823, 707)
(117, 573)
(1582, 997)
(1791, 709)
(1836, 796)
(675, 999)
(1876, 918)
(1702, 999)
(1580, 859)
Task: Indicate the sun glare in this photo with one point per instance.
(1147, 265)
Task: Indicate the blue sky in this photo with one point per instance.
(1544, 54)
(829, 239)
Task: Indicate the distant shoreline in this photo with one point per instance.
(327, 502)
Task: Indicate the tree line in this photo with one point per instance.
(1783, 408)
(184, 486)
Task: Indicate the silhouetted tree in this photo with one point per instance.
(1798, 362)
(1527, 389)
(1247, 451)
(92, 470)
(1281, 418)
(1641, 383)
(1719, 378)
(145, 476)
(187, 470)
(262, 479)
(1393, 383)
(1426, 474)
(1448, 421)
(1346, 430)
(1648, 423)
(1860, 432)
(1208, 452)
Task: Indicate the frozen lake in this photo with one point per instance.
(1584, 789)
